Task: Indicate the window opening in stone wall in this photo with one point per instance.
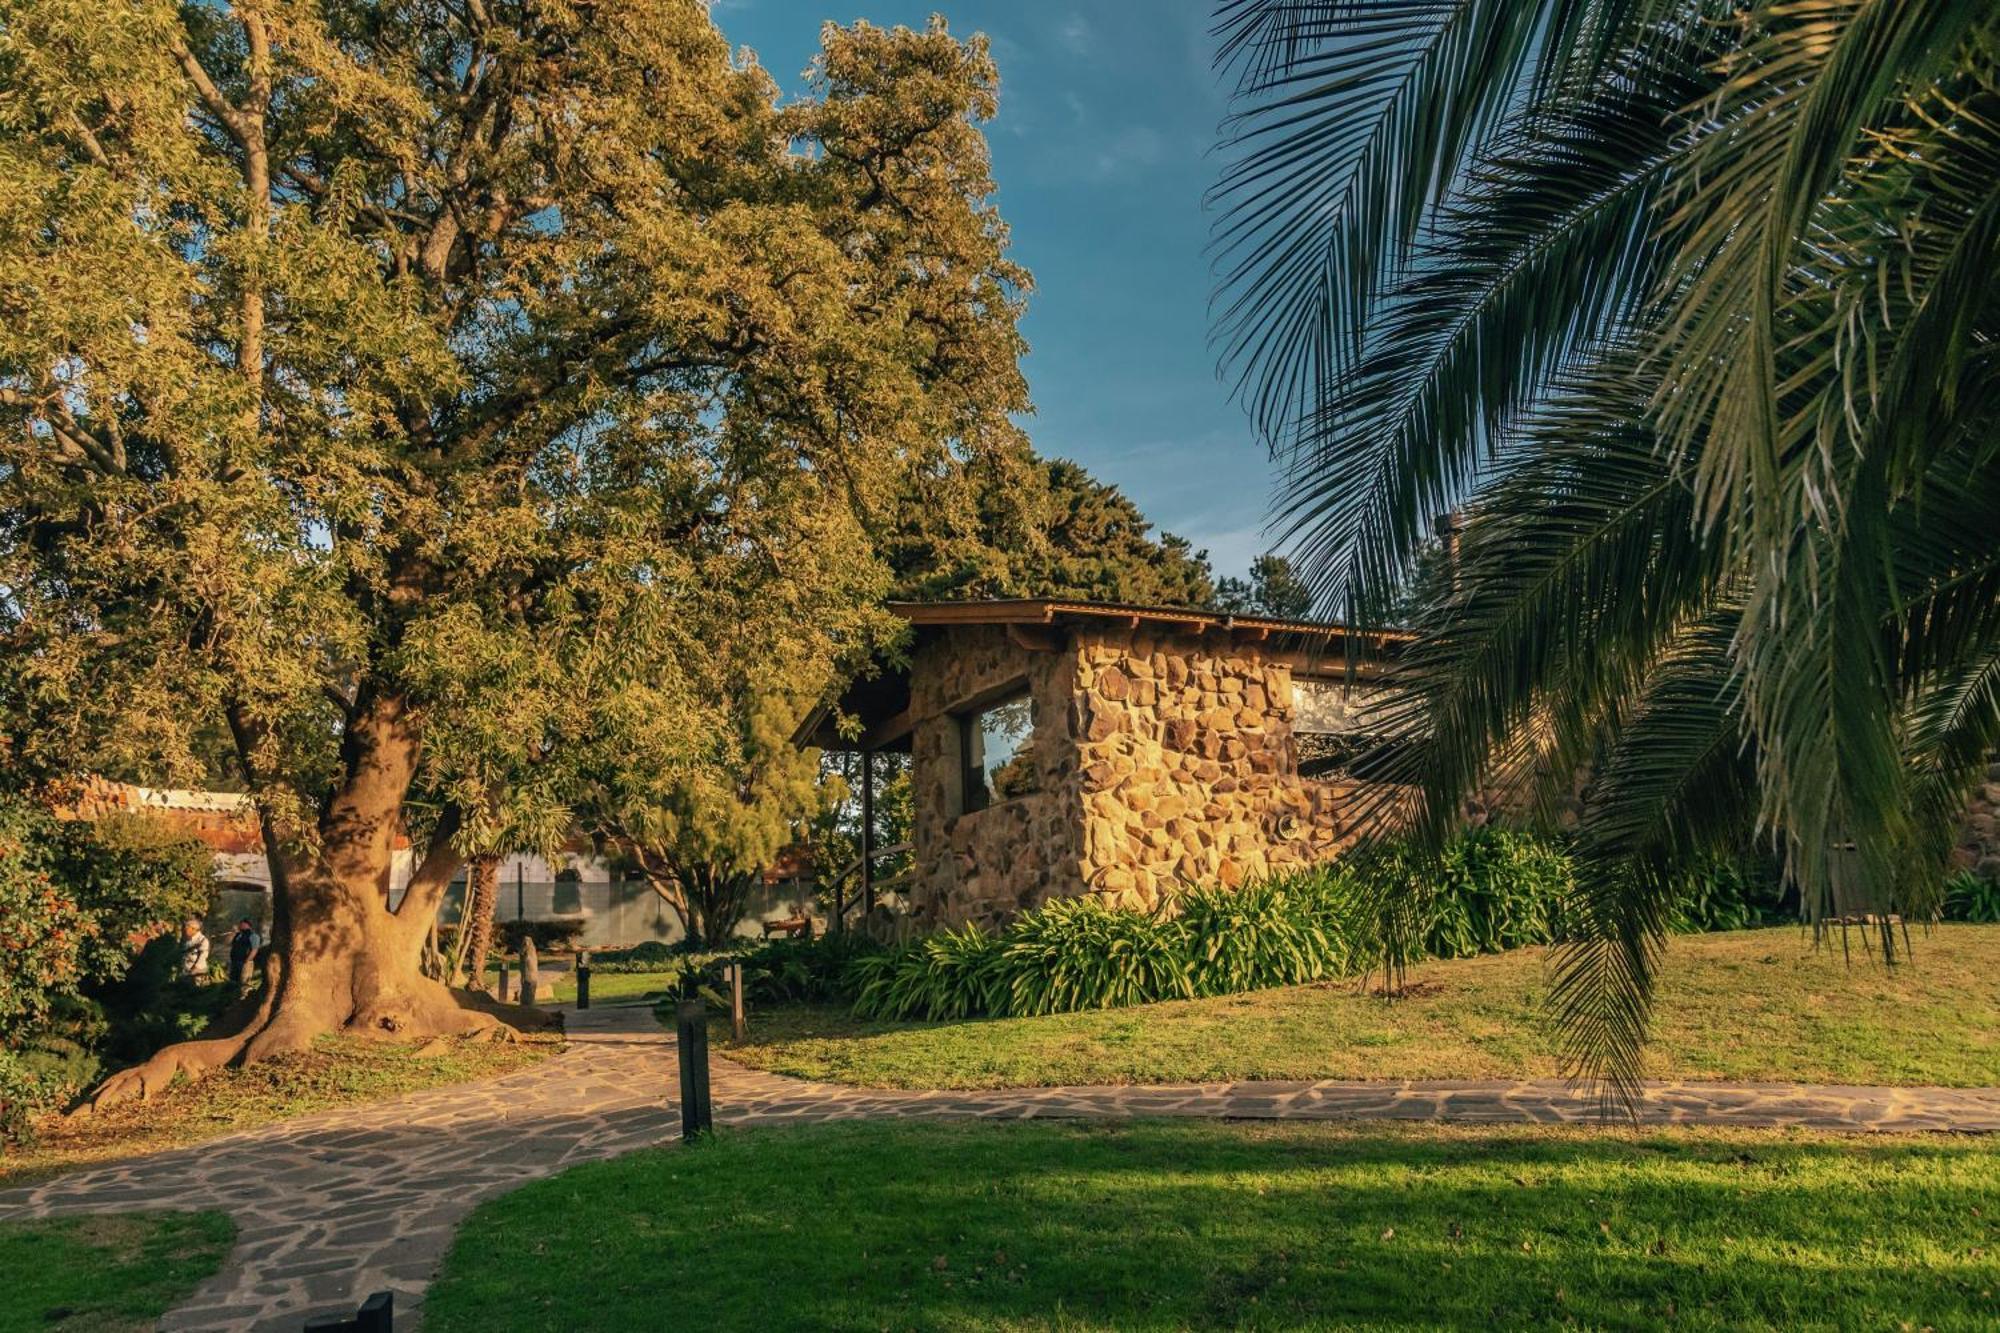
(999, 763)
(1332, 726)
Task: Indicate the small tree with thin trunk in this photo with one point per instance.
(703, 834)
(407, 387)
(475, 924)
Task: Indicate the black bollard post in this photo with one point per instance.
(376, 1315)
(583, 979)
(692, 1034)
(500, 993)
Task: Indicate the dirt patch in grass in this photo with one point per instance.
(338, 1071)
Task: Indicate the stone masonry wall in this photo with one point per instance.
(1163, 761)
(1979, 839)
(986, 865)
(1188, 773)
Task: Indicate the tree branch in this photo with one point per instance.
(211, 96)
(340, 701)
(90, 143)
(432, 876)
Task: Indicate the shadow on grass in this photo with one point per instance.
(1167, 1225)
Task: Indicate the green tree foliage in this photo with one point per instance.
(78, 901)
(1273, 589)
(1691, 315)
(438, 396)
(703, 834)
(1032, 527)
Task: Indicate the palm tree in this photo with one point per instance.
(1689, 309)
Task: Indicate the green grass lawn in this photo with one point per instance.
(1157, 1225)
(1749, 1005)
(338, 1071)
(605, 987)
(118, 1271)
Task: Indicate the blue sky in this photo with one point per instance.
(1102, 148)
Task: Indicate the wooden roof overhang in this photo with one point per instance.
(881, 702)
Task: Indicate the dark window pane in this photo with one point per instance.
(1334, 728)
(999, 763)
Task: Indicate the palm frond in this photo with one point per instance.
(1544, 253)
(1350, 122)
(1674, 783)
(1572, 572)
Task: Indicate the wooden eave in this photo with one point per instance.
(1052, 611)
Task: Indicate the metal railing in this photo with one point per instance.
(870, 887)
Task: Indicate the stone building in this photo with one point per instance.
(1978, 848)
(1062, 748)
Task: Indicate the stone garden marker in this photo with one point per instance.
(531, 973)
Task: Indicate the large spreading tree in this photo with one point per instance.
(410, 390)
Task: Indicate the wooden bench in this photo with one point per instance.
(790, 927)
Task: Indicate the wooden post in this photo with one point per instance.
(583, 979)
(691, 1019)
(867, 833)
(500, 993)
(736, 1003)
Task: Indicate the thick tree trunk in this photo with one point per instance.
(342, 961)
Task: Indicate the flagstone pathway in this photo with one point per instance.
(331, 1207)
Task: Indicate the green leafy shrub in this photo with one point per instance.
(948, 974)
(1077, 953)
(1264, 934)
(78, 900)
(1970, 897)
(1486, 890)
(1493, 889)
(24, 1094)
(817, 971)
(1728, 892)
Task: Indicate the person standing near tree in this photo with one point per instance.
(243, 946)
(194, 951)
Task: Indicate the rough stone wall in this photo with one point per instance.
(1162, 761)
(1188, 772)
(1979, 839)
(986, 865)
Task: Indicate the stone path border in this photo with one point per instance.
(333, 1206)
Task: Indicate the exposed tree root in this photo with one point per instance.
(190, 1058)
(444, 1014)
